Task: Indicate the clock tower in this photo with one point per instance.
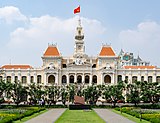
(79, 48)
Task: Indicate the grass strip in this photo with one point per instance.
(30, 117)
(79, 116)
(137, 120)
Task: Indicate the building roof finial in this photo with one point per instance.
(79, 21)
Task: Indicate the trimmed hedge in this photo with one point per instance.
(79, 107)
(20, 116)
(153, 117)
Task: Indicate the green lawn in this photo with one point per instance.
(79, 116)
(137, 120)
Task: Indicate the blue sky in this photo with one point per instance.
(27, 27)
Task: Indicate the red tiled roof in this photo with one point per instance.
(52, 51)
(16, 66)
(107, 51)
(139, 67)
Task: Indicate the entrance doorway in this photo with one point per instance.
(51, 79)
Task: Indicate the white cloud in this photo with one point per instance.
(144, 39)
(11, 13)
(32, 40)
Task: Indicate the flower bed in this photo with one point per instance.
(9, 115)
(149, 115)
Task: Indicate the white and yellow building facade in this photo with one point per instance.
(106, 68)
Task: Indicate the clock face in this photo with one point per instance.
(78, 62)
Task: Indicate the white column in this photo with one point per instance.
(83, 78)
(123, 77)
(28, 79)
(146, 76)
(130, 78)
(19, 77)
(35, 78)
(112, 79)
(56, 78)
(45, 79)
(154, 77)
(101, 79)
(139, 78)
(90, 79)
(75, 78)
(67, 79)
(12, 78)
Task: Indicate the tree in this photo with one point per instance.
(150, 92)
(71, 92)
(54, 93)
(64, 95)
(18, 93)
(134, 92)
(91, 94)
(2, 90)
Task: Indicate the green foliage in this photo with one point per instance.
(17, 114)
(148, 115)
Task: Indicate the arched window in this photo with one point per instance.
(107, 79)
(87, 79)
(158, 79)
(16, 79)
(39, 79)
(79, 79)
(32, 79)
(64, 79)
(126, 78)
(134, 78)
(24, 79)
(94, 80)
(119, 79)
(71, 79)
(51, 79)
(1, 78)
(149, 78)
(8, 78)
(142, 78)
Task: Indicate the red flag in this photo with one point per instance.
(77, 10)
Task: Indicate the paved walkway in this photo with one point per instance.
(48, 117)
(111, 117)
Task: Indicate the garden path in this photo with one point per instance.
(111, 117)
(48, 117)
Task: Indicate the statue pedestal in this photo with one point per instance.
(79, 104)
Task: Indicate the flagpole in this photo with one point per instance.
(79, 18)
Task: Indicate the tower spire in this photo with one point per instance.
(79, 22)
(79, 43)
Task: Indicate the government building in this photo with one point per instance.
(106, 68)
